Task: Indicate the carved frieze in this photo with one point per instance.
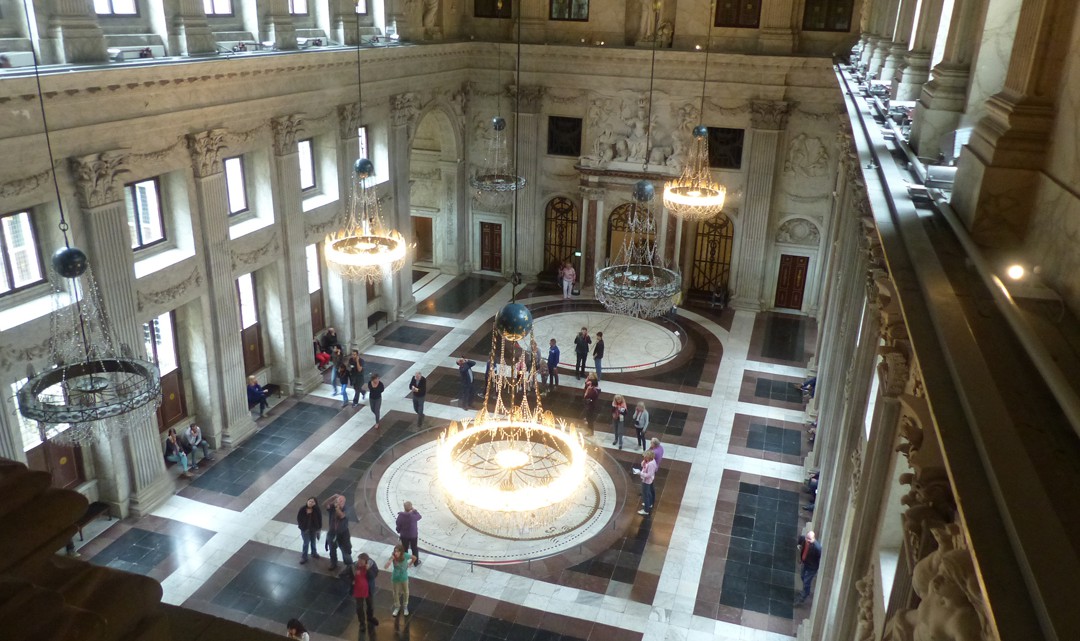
(169, 294)
(206, 148)
(530, 97)
(893, 372)
(404, 109)
(14, 354)
(98, 178)
(286, 130)
(25, 185)
(592, 193)
(768, 114)
(243, 259)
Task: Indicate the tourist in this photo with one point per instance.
(356, 377)
(641, 423)
(337, 533)
(296, 630)
(376, 389)
(337, 365)
(418, 387)
(658, 450)
(399, 578)
(618, 418)
(553, 366)
(809, 557)
(591, 400)
(309, 520)
(174, 453)
(362, 595)
(257, 394)
(368, 570)
(648, 492)
(567, 275)
(465, 370)
(196, 440)
(581, 350)
(343, 378)
(407, 531)
(598, 353)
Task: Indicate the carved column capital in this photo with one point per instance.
(893, 372)
(404, 108)
(286, 130)
(97, 178)
(768, 114)
(349, 120)
(530, 97)
(205, 148)
(592, 193)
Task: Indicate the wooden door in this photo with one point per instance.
(425, 246)
(791, 281)
(64, 463)
(173, 406)
(491, 247)
(251, 339)
(318, 318)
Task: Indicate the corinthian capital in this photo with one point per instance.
(349, 120)
(206, 148)
(97, 178)
(768, 114)
(530, 97)
(404, 108)
(286, 130)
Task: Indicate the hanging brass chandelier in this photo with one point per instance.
(695, 195)
(364, 249)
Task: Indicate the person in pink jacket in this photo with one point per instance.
(648, 475)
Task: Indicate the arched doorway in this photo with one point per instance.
(433, 195)
(619, 227)
(562, 232)
(710, 271)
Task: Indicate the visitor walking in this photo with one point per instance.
(598, 353)
(309, 520)
(418, 387)
(337, 533)
(356, 377)
(368, 569)
(375, 390)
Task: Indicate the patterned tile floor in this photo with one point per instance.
(715, 560)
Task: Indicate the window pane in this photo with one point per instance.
(314, 276)
(298, 6)
(361, 134)
(5, 283)
(165, 335)
(307, 164)
(217, 7)
(569, 10)
(234, 183)
(102, 6)
(126, 7)
(22, 251)
(249, 314)
(144, 213)
(361, 7)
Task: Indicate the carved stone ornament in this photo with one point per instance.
(952, 606)
(97, 178)
(286, 131)
(531, 97)
(912, 437)
(170, 294)
(807, 157)
(893, 372)
(593, 193)
(206, 148)
(856, 474)
(768, 114)
(404, 108)
(251, 257)
(25, 185)
(349, 121)
(864, 626)
(14, 354)
(798, 231)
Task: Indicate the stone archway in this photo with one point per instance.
(435, 183)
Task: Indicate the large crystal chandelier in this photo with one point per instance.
(513, 469)
(364, 249)
(637, 283)
(695, 195)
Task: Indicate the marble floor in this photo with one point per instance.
(715, 559)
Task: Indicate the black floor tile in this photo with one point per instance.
(783, 338)
(777, 391)
(138, 551)
(409, 335)
(459, 296)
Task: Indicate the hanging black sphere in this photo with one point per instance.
(70, 262)
(498, 123)
(644, 191)
(514, 321)
(364, 168)
(701, 131)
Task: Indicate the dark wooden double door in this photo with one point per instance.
(491, 247)
(791, 281)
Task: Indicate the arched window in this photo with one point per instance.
(618, 227)
(562, 231)
(711, 269)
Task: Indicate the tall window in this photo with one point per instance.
(20, 265)
(493, 9)
(361, 7)
(306, 151)
(564, 136)
(249, 310)
(828, 15)
(569, 10)
(236, 185)
(314, 286)
(159, 336)
(115, 7)
(298, 7)
(218, 7)
(744, 14)
(725, 147)
(145, 221)
(362, 136)
(250, 332)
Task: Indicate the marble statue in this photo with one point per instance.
(635, 143)
(650, 14)
(431, 12)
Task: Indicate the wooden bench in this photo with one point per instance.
(376, 318)
(95, 510)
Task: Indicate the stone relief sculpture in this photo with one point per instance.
(619, 130)
(864, 628)
(807, 156)
(952, 606)
(798, 231)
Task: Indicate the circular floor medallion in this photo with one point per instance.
(630, 344)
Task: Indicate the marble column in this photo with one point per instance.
(915, 69)
(898, 46)
(348, 299)
(276, 25)
(289, 214)
(529, 226)
(884, 27)
(767, 123)
(187, 31)
(343, 21)
(404, 112)
(227, 418)
(455, 227)
(592, 201)
(776, 35)
(100, 188)
(73, 34)
(999, 168)
(534, 20)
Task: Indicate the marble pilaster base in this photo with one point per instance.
(76, 40)
(939, 108)
(191, 35)
(146, 500)
(777, 42)
(280, 31)
(915, 72)
(239, 431)
(894, 57)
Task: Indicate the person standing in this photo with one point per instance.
(567, 275)
(337, 533)
(368, 569)
(598, 353)
(618, 418)
(641, 423)
(581, 350)
(465, 370)
(309, 520)
(196, 440)
(407, 530)
(356, 377)
(376, 389)
(399, 578)
(553, 366)
(809, 556)
(337, 363)
(648, 492)
(591, 401)
(362, 595)
(418, 387)
(658, 450)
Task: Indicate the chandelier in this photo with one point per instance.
(496, 179)
(694, 195)
(363, 249)
(638, 284)
(513, 468)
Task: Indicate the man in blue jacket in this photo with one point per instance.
(465, 369)
(553, 366)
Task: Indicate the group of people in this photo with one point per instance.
(581, 349)
(361, 576)
(181, 449)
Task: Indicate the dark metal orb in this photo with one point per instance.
(70, 262)
(498, 123)
(644, 191)
(701, 131)
(364, 167)
(514, 321)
